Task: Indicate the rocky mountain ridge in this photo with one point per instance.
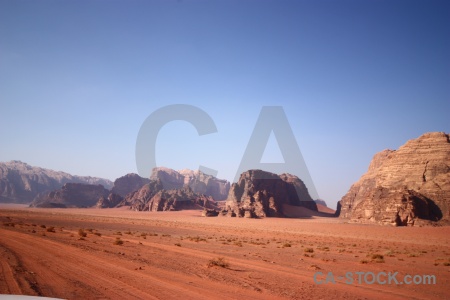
(198, 181)
(21, 183)
(153, 197)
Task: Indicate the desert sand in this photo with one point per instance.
(171, 255)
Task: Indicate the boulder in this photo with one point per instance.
(209, 212)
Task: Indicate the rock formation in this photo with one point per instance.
(111, 201)
(198, 181)
(71, 195)
(210, 212)
(404, 186)
(152, 197)
(264, 194)
(128, 183)
(21, 183)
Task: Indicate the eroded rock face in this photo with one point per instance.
(152, 197)
(196, 180)
(262, 194)
(71, 195)
(403, 186)
(111, 201)
(128, 183)
(21, 183)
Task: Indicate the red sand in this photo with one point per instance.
(165, 255)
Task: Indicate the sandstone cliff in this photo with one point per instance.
(196, 180)
(21, 183)
(71, 195)
(264, 194)
(404, 186)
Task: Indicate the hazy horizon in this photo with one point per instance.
(78, 79)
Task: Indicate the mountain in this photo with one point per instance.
(263, 194)
(128, 183)
(71, 195)
(198, 181)
(404, 186)
(21, 183)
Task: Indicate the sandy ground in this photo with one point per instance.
(165, 255)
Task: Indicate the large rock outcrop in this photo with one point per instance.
(152, 197)
(404, 186)
(264, 194)
(198, 181)
(21, 183)
(128, 183)
(71, 195)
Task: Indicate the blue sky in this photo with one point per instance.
(78, 79)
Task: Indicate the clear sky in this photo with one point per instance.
(78, 78)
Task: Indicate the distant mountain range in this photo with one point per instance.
(21, 183)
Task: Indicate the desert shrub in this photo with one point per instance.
(118, 241)
(198, 239)
(218, 262)
(286, 245)
(364, 261)
(97, 233)
(377, 258)
(178, 244)
(50, 229)
(43, 226)
(309, 250)
(238, 243)
(82, 233)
